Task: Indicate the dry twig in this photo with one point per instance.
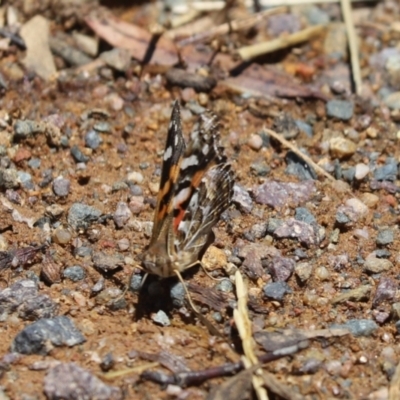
(249, 52)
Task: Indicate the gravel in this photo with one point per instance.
(276, 290)
(340, 109)
(75, 273)
(82, 215)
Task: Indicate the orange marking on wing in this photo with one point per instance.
(178, 218)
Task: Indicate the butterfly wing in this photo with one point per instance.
(174, 150)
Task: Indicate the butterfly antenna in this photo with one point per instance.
(178, 274)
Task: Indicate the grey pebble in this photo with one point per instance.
(276, 290)
(9, 178)
(107, 262)
(349, 174)
(75, 273)
(217, 316)
(69, 381)
(81, 215)
(377, 265)
(385, 237)
(342, 218)
(386, 290)
(83, 251)
(59, 331)
(303, 271)
(161, 318)
(25, 128)
(298, 167)
(119, 185)
(387, 172)
(242, 197)
(34, 163)
(24, 299)
(382, 253)
(134, 189)
(358, 327)
(61, 187)
(281, 268)
(303, 214)
(225, 286)
(64, 141)
(178, 293)
(293, 229)
(26, 180)
(135, 283)
(122, 214)
(304, 127)
(107, 362)
(98, 286)
(92, 140)
(78, 156)
(274, 224)
(260, 168)
(340, 109)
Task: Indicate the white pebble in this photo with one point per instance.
(255, 142)
(362, 171)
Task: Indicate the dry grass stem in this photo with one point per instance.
(353, 45)
(249, 52)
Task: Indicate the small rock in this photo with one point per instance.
(81, 215)
(107, 362)
(117, 58)
(114, 101)
(107, 262)
(225, 286)
(302, 214)
(341, 147)
(123, 244)
(385, 237)
(105, 127)
(108, 296)
(122, 214)
(78, 156)
(161, 318)
(260, 168)
(393, 100)
(120, 185)
(61, 236)
(34, 163)
(35, 338)
(177, 292)
(396, 311)
(69, 381)
(361, 293)
(386, 290)
(83, 251)
(242, 198)
(26, 180)
(276, 290)
(387, 172)
(369, 199)
(61, 187)
(214, 258)
(255, 142)
(358, 327)
(294, 229)
(92, 140)
(135, 283)
(75, 273)
(361, 172)
(322, 273)
(98, 286)
(303, 271)
(135, 177)
(136, 204)
(377, 265)
(340, 109)
(280, 194)
(281, 268)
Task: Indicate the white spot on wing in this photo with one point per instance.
(176, 140)
(168, 153)
(181, 196)
(189, 161)
(205, 149)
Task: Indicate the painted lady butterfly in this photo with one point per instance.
(196, 187)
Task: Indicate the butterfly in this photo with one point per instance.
(196, 187)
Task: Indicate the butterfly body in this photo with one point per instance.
(196, 187)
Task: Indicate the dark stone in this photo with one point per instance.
(276, 290)
(75, 273)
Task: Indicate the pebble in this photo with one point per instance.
(387, 172)
(177, 292)
(395, 311)
(92, 140)
(135, 283)
(377, 265)
(293, 229)
(98, 286)
(61, 187)
(108, 295)
(78, 156)
(34, 338)
(123, 244)
(303, 271)
(83, 251)
(322, 273)
(361, 293)
(279, 194)
(135, 177)
(161, 318)
(107, 262)
(385, 237)
(386, 290)
(358, 327)
(281, 268)
(349, 174)
(260, 168)
(255, 142)
(26, 180)
(361, 171)
(340, 109)
(114, 101)
(304, 127)
(276, 290)
(242, 197)
(81, 215)
(69, 381)
(119, 185)
(303, 214)
(341, 147)
(136, 204)
(122, 214)
(61, 236)
(225, 286)
(34, 163)
(393, 100)
(24, 299)
(75, 273)
(382, 253)
(135, 190)
(214, 258)
(369, 199)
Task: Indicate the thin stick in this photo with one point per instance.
(249, 52)
(233, 26)
(353, 47)
(271, 3)
(295, 150)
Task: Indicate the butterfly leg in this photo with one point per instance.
(178, 274)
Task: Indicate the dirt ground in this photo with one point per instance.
(82, 134)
